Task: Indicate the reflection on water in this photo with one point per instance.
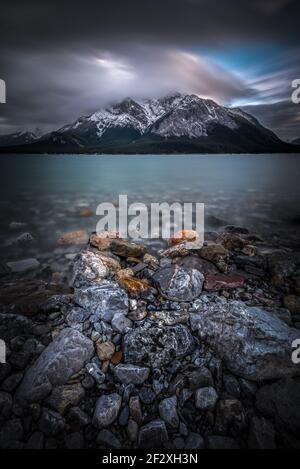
(47, 193)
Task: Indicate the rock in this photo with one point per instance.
(292, 303)
(169, 318)
(231, 385)
(77, 316)
(153, 435)
(254, 343)
(195, 262)
(105, 350)
(73, 237)
(25, 265)
(90, 267)
(134, 286)
(108, 440)
(280, 263)
(230, 415)
(179, 284)
(124, 248)
(77, 416)
(74, 441)
(168, 411)
(155, 346)
(107, 410)
(261, 434)
(124, 416)
(231, 241)
(86, 212)
(103, 300)
(63, 358)
(206, 398)
(102, 241)
(147, 395)
(11, 382)
(221, 442)
(135, 409)
(178, 250)
(51, 423)
(248, 388)
(184, 235)
(32, 297)
(194, 441)
(222, 282)
(11, 432)
(121, 323)
(281, 402)
(151, 261)
(249, 250)
(217, 254)
(131, 374)
(22, 239)
(36, 441)
(5, 401)
(132, 430)
(94, 370)
(117, 357)
(13, 325)
(236, 229)
(63, 397)
(137, 315)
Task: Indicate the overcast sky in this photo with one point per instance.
(61, 60)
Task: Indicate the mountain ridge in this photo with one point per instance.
(176, 123)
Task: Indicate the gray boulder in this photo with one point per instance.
(63, 358)
(106, 411)
(127, 373)
(178, 283)
(254, 343)
(153, 435)
(168, 411)
(157, 346)
(104, 300)
(281, 402)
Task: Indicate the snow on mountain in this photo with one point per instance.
(171, 116)
(174, 123)
(19, 138)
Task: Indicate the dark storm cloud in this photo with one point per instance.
(62, 59)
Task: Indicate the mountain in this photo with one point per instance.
(296, 141)
(178, 123)
(18, 138)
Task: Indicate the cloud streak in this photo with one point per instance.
(61, 61)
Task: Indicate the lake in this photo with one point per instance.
(47, 192)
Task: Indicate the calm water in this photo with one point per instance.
(48, 192)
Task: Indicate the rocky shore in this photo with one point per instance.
(115, 346)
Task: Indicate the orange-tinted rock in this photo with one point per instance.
(86, 212)
(134, 286)
(105, 350)
(116, 358)
(73, 237)
(222, 282)
(184, 235)
(103, 240)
